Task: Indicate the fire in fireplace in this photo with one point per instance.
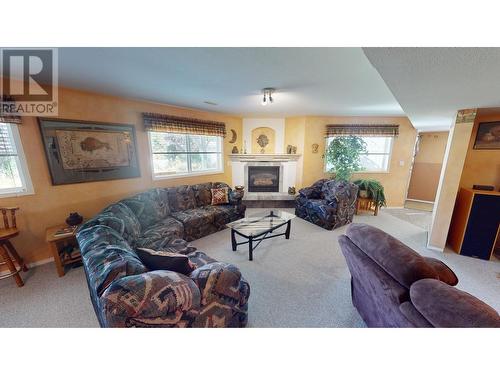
(263, 179)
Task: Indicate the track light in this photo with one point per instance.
(268, 98)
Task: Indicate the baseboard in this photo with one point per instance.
(32, 265)
(419, 200)
(435, 248)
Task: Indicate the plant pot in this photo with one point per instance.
(363, 193)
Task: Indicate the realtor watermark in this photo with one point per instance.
(29, 84)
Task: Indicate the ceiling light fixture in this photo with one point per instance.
(268, 95)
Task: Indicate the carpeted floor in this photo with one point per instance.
(301, 282)
(419, 218)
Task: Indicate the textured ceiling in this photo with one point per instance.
(431, 84)
(309, 81)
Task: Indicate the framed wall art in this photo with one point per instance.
(488, 136)
(79, 151)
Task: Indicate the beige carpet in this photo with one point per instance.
(419, 218)
(301, 282)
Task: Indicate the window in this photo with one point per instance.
(14, 175)
(175, 154)
(378, 155)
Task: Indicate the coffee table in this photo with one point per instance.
(259, 227)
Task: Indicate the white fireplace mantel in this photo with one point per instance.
(264, 157)
(286, 162)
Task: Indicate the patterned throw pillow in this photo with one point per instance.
(163, 260)
(220, 196)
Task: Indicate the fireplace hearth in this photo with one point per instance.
(263, 179)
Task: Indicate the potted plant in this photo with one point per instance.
(343, 156)
(372, 189)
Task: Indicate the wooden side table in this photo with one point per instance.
(366, 204)
(57, 243)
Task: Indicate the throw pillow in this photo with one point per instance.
(164, 260)
(220, 196)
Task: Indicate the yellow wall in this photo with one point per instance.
(50, 205)
(482, 167)
(271, 136)
(394, 182)
(295, 130)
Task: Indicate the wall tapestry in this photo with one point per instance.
(83, 151)
(488, 136)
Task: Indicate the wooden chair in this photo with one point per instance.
(7, 250)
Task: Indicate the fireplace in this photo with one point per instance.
(263, 179)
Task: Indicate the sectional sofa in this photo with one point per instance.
(125, 293)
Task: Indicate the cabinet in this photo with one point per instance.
(475, 224)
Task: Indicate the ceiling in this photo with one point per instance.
(432, 84)
(309, 81)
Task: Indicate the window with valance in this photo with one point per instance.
(379, 139)
(182, 146)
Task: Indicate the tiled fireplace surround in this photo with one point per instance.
(288, 173)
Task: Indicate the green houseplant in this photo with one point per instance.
(373, 189)
(343, 156)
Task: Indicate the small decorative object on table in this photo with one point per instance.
(234, 150)
(289, 149)
(291, 190)
(65, 231)
(74, 219)
(294, 149)
(315, 148)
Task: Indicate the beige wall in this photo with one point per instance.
(482, 166)
(395, 181)
(427, 166)
(432, 147)
(50, 205)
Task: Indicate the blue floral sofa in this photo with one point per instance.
(126, 294)
(327, 203)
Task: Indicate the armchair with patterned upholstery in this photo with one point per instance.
(327, 203)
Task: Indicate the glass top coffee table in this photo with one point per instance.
(259, 227)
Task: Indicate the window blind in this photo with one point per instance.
(7, 146)
(182, 125)
(7, 117)
(364, 130)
